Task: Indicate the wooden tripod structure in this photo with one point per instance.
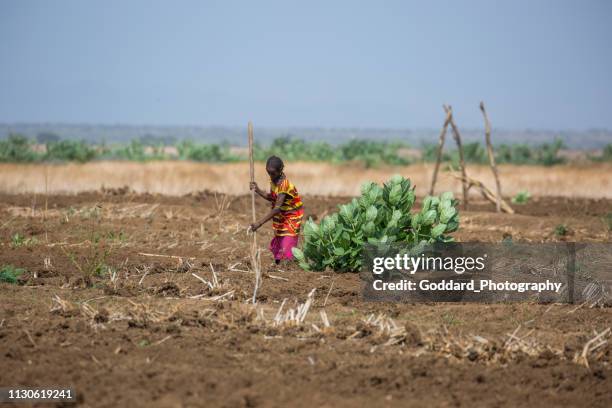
(467, 182)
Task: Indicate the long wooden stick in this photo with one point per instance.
(255, 258)
(439, 153)
(491, 156)
(449, 109)
(484, 190)
(252, 169)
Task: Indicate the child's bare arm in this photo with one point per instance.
(277, 209)
(260, 192)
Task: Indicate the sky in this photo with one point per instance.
(537, 64)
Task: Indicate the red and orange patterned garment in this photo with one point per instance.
(289, 220)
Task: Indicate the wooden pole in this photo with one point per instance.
(252, 170)
(449, 110)
(439, 153)
(491, 156)
(255, 257)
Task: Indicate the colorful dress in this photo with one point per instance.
(287, 223)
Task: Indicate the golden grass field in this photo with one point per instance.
(593, 180)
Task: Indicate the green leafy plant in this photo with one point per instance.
(119, 237)
(144, 343)
(380, 215)
(93, 264)
(561, 230)
(17, 240)
(10, 274)
(522, 197)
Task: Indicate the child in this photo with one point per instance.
(287, 210)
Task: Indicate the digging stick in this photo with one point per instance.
(439, 153)
(491, 156)
(252, 171)
(255, 260)
(449, 110)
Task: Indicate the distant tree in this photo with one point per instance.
(70, 150)
(16, 148)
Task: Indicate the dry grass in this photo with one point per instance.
(177, 178)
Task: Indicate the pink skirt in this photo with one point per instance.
(281, 247)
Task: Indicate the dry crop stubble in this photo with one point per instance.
(592, 180)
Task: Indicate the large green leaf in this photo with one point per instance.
(447, 214)
(429, 217)
(395, 194)
(297, 253)
(426, 204)
(448, 195)
(369, 228)
(438, 230)
(417, 219)
(371, 213)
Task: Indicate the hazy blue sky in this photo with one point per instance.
(537, 64)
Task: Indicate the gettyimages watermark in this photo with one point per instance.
(486, 272)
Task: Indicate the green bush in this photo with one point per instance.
(70, 150)
(17, 149)
(522, 197)
(136, 151)
(429, 153)
(189, 150)
(372, 153)
(546, 154)
(291, 149)
(380, 215)
(10, 274)
(514, 154)
(473, 152)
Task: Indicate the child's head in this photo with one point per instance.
(274, 167)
